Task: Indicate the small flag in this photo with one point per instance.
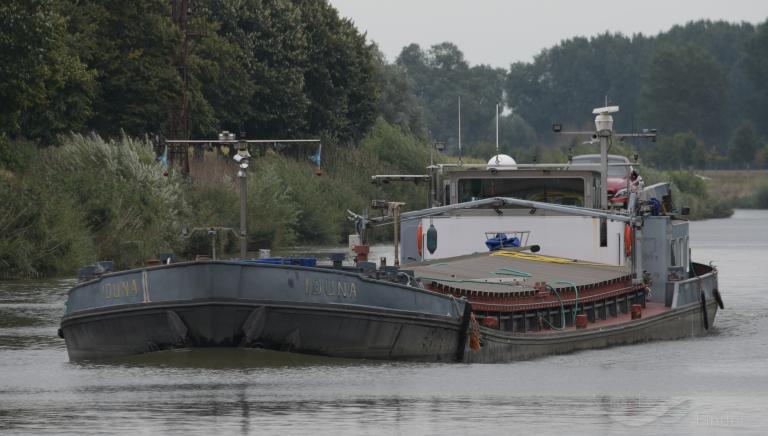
(316, 157)
(164, 160)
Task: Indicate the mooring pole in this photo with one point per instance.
(394, 209)
(243, 208)
(242, 158)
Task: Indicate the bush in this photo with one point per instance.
(761, 197)
(41, 233)
(132, 211)
(108, 199)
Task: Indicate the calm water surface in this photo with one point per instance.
(712, 385)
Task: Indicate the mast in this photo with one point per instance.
(497, 133)
(460, 130)
(184, 16)
(604, 129)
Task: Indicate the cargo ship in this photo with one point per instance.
(510, 262)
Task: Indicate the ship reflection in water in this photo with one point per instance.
(712, 384)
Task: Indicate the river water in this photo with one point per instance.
(717, 384)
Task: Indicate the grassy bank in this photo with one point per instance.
(741, 188)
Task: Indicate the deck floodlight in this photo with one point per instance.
(242, 157)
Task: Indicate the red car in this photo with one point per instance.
(617, 175)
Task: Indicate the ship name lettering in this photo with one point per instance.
(121, 289)
(330, 288)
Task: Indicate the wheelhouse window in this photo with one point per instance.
(560, 190)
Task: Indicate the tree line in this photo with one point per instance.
(266, 67)
(296, 68)
(702, 85)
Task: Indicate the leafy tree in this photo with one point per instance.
(679, 151)
(339, 75)
(684, 90)
(221, 87)
(44, 87)
(724, 41)
(273, 47)
(131, 46)
(565, 81)
(308, 71)
(398, 105)
(744, 145)
(755, 64)
(440, 75)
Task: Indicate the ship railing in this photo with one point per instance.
(684, 292)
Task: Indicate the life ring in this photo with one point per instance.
(627, 240)
(419, 238)
(704, 310)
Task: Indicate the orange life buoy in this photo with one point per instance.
(419, 237)
(627, 240)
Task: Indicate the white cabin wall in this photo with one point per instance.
(563, 236)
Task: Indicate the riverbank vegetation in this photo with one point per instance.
(90, 88)
(92, 198)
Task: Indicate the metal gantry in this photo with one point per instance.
(243, 158)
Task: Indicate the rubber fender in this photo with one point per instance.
(432, 239)
(254, 324)
(177, 325)
(703, 299)
(718, 298)
(292, 342)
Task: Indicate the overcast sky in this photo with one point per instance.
(499, 32)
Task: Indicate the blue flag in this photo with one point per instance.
(164, 158)
(316, 157)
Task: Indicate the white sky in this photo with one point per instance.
(499, 32)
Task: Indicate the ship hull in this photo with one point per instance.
(683, 322)
(324, 312)
(327, 331)
(328, 312)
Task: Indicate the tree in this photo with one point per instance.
(440, 75)
(309, 71)
(221, 89)
(131, 46)
(679, 151)
(744, 145)
(339, 74)
(684, 90)
(755, 64)
(565, 81)
(44, 87)
(397, 103)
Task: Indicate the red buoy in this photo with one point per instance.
(581, 321)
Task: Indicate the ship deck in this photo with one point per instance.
(650, 310)
(500, 274)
